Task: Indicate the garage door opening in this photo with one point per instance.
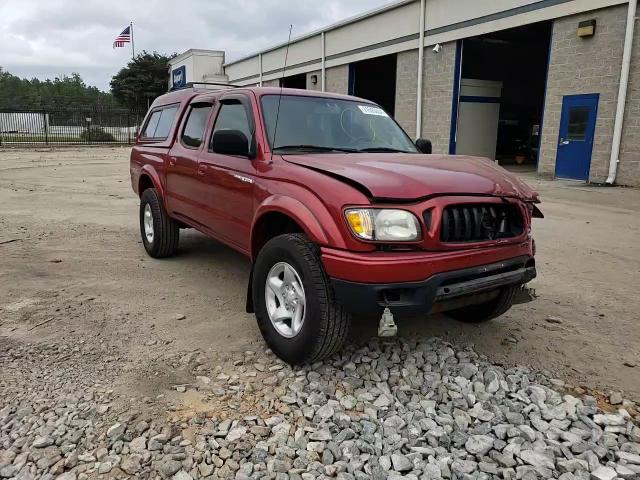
(294, 81)
(375, 80)
(501, 94)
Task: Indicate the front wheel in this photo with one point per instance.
(483, 312)
(295, 307)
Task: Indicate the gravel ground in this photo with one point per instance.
(114, 365)
(396, 409)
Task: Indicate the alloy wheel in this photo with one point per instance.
(285, 299)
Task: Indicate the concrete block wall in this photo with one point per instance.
(337, 79)
(318, 86)
(406, 91)
(629, 166)
(580, 66)
(438, 81)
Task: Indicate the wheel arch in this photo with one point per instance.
(270, 225)
(279, 215)
(149, 178)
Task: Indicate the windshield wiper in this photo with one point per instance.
(316, 148)
(383, 150)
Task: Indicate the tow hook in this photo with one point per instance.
(387, 327)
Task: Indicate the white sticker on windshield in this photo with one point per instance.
(372, 111)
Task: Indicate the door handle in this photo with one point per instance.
(202, 169)
(172, 161)
(564, 142)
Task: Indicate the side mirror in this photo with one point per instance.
(230, 142)
(424, 146)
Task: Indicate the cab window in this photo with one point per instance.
(193, 133)
(233, 116)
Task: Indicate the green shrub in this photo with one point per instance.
(96, 134)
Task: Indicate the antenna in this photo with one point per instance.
(284, 68)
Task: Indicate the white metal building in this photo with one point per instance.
(553, 84)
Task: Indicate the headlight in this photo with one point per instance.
(383, 225)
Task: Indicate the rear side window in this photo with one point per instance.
(196, 123)
(160, 122)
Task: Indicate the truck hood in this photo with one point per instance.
(384, 176)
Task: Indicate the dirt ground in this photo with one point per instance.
(73, 271)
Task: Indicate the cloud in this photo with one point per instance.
(47, 39)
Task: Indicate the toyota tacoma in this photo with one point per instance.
(339, 210)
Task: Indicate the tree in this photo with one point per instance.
(142, 80)
(60, 93)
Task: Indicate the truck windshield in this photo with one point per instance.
(320, 124)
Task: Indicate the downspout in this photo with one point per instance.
(324, 61)
(420, 70)
(260, 62)
(622, 93)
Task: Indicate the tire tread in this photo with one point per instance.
(167, 236)
(333, 320)
(338, 320)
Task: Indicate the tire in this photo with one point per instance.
(484, 312)
(165, 234)
(325, 324)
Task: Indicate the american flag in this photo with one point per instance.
(124, 37)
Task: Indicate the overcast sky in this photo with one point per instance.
(49, 38)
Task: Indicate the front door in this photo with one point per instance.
(575, 142)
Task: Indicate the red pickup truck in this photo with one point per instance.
(340, 212)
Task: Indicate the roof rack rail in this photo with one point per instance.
(192, 85)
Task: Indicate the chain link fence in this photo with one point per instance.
(69, 127)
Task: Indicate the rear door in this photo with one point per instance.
(226, 182)
(181, 174)
(575, 141)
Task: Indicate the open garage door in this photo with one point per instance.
(375, 80)
(501, 99)
(294, 81)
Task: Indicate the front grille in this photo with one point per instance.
(480, 222)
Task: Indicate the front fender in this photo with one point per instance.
(317, 223)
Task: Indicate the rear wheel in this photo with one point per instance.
(295, 309)
(160, 233)
(483, 312)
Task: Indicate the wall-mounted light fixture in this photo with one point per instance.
(314, 79)
(587, 28)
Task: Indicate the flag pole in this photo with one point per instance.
(133, 48)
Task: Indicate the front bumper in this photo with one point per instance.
(394, 267)
(439, 292)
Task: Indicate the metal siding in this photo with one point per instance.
(391, 25)
(299, 52)
(396, 28)
(440, 13)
